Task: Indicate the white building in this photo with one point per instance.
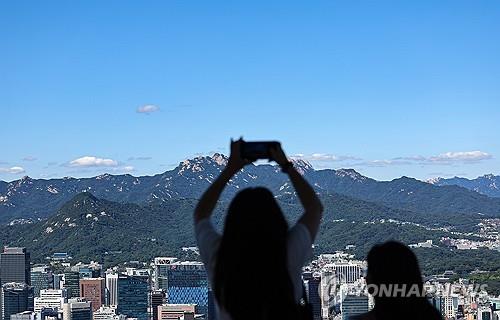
(327, 291)
(25, 315)
(112, 289)
(450, 305)
(347, 272)
(107, 313)
(50, 298)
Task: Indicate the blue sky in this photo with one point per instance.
(387, 88)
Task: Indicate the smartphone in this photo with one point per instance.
(255, 150)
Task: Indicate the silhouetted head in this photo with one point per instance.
(395, 281)
(251, 275)
(393, 263)
(254, 214)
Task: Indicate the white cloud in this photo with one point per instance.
(12, 170)
(29, 158)
(461, 156)
(448, 158)
(411, 158)
(323, 157)
(381, 163)
(147, 109)
(89, 161)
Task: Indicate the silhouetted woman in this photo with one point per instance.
(395, 282)
(255, 266)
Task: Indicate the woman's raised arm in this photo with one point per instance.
(209, 199)
(313, 209)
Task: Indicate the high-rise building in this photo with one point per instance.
(77, 309)
(328, 285)
(92, 289)
(72, 283)
(41, 278)
(449, 305)
(312, 284)
(188, 284)
(353, 305)
(15, 266)
(111, 289)
(446, 305)
(133, 296)
(176, 311)
(160, 272)
(16, 298)
(211, 304)
(51, 298)
(157, 299)
(436, 302)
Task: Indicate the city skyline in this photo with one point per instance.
(335, 283)
(391, 90)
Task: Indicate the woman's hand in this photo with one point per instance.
(278, 155)
(235, 162)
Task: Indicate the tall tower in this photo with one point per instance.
(160, 272)
(188, 284)
(112, 289)
(313, 284)
(157, 299)
(41, 278)
(72, 283)
(16, 298)
(15, 266)
(133, 294)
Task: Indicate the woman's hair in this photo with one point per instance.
(251, 276)
(395, 281)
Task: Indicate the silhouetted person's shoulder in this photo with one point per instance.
(430, 315)
(364, 316)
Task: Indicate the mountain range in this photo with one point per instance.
(488, 184)
(89, 228)
(34, 199)
(116, 218)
